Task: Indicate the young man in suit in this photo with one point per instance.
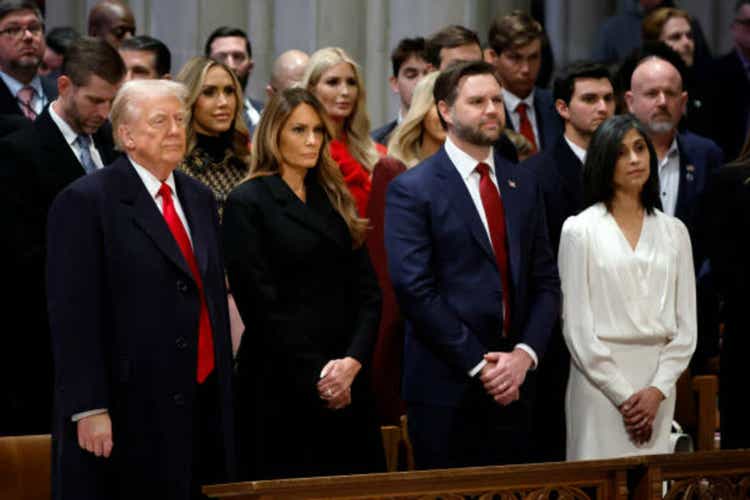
(515, 49)
(584, 98)
(145, 57)
(476, 281)
(138, 317)
(409, 62)
(231, 46)
(68, 140)
(22, 91)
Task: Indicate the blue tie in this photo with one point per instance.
(84, 143)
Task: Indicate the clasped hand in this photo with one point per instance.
(638, 413)
(504, 374)
(335, 385)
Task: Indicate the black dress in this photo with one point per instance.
(306, 297)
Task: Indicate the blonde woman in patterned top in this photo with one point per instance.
(218, 140)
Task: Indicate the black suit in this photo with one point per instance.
(9, 109)
(730, 104)
(36, 164)
(124, 313)
(307, 298)
(383, 134)
(560, 175)
(727, 227)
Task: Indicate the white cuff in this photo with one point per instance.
(78, 416)
(477, 368)
(530, 352)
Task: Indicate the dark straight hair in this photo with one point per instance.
(162, 55)
(601, 160)
(10, 6)
(565, 82)
(226, 31)
(92, 56)
(446, 85)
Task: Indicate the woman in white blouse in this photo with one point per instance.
(628, 301)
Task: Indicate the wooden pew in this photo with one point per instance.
(25, 467)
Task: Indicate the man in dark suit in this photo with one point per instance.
(584, 98)
(686, 162)
(730, 88)
(22, 91)
(409, 62)
(476, 280)
(727, 228)
(112, 21)
(138, 316)
(515, 49)
(67, 140)
(231, 46)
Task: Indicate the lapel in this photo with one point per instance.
(454, 186)
(570, 170)
(199, 219)
(316, 214)
(508, 121)
(539, 120)
(59, 158)
(8, 104)
(512, 199)
(145, 215)
(686, 188)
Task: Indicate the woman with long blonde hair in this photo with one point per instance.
(419, 135)
(217, 151)
(336, 80)
(293, 244)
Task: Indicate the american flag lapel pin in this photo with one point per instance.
(512, 183)
(690, 175)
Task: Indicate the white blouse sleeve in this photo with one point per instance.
(676, 354)
(590, 355)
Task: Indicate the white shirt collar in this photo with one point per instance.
(512, 100)
(464, 163)
(14, 85)
(67, 132)
(152, 183)
(577, 150)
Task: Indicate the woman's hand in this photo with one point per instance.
(639, 413)
(336, 380)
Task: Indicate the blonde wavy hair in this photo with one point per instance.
(357, 125)
(406, 140)
(266, 157)
(193, 74)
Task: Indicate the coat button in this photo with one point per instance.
(179, 399)
(181, 343)
(182, 286)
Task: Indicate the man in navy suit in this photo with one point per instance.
(138, 316)
(476, 281)
(232, 47)
(584, 98)
(686, 162)
(515, 49)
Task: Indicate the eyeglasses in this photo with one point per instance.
(15, 31)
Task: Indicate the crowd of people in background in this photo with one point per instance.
(205, 287)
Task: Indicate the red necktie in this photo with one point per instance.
(495, 213)
(526, 130)
(205, 336)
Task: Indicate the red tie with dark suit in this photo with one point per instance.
(205, 335)
(495, 213)
(525, 127)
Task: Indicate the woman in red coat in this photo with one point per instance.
(419, 135)
(335, 79)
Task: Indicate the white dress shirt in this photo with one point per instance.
(70, 137)
(466, 166)
(38, 100)
(669, 178)
(511, 101)
(577, 150)
(152, 185)
(251, 112)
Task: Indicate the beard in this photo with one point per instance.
(474, 134)
(660, 126)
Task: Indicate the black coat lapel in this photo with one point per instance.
(316, 214)
(146, 216)
(455, 188)
(686, 188)
(8, 104)
(511, 198)
(571, 171)
(56, 152)
(199, 220)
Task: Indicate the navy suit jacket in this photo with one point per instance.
(548, 122)
(446, 278)
(124, 312)
(560, 176)
(699, 158)
(383, 134)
